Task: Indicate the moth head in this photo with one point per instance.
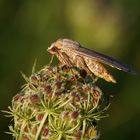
(55, 47)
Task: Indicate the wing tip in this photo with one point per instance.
(132, 71)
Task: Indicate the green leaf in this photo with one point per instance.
(34, 66)
(24, 77)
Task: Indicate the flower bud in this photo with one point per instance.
(34, 99)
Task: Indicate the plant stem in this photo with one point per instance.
(41, 126)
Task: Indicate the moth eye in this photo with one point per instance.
(54, 49)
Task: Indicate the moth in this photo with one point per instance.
(72, 53)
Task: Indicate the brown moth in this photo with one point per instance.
(71, 53)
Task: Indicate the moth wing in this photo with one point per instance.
(103, 59)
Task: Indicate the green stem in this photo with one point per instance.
(41, 126)
(84, 128)
(60, 136)
(21, 131)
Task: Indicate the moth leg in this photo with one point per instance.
(68, 63)
(95, 79)
(52, 57)
(61, 58)
(67, 59)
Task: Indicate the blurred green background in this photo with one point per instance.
(112, 27)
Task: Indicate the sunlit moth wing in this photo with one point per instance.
(103, 59)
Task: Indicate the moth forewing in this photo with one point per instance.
(104, 59)
(73, 57)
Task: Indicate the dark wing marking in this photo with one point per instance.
(103, 59)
